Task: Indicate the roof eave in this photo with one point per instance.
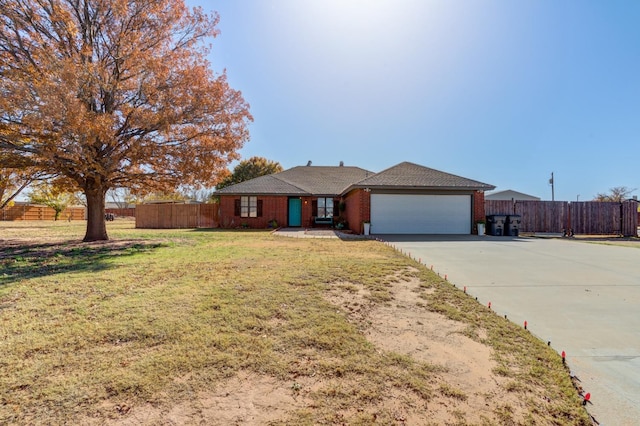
(264, 194)
(429, 188)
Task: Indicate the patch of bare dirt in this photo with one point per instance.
(468, 384)
(245, 399)
(465, 389)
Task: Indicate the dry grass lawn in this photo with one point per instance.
(248, 328)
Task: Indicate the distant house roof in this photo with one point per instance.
(301, 180)
(510, 194)
(409, 175)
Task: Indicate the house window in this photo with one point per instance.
(325, 207)
(248, 206)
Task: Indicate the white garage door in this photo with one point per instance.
(420, 214)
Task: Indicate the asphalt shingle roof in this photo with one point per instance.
(302, 180)
(328, 181)
(263, 185)
(324, 180)
(409, 175)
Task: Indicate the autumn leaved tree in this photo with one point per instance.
(13, 181)
(115, 94)
(52, 196)
(15, 177)
(249, 169)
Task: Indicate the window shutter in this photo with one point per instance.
(314, 207)
(259, 208)
(236, 207)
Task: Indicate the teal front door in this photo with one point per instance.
(295, 212)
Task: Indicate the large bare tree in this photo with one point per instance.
(115, 94)
(617, 194)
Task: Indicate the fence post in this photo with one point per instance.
(569, 207)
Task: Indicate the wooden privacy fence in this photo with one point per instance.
(584, 217)
(598, 218)
(128, 212)
(36, 212)
(169, 216)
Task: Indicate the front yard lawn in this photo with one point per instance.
(215, 327)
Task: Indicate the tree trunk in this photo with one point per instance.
(96, 223)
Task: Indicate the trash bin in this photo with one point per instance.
(495, 224)
(512, 226)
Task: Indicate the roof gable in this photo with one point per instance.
(510, 194)
(410, 175)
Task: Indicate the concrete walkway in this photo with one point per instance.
(317, 233)
(584, 298)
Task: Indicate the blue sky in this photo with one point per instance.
(504, 92)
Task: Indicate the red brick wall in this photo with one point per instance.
(272, 208)
(358, 209)
(307, 212)
(478, 209)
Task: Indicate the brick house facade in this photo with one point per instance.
(310, 196)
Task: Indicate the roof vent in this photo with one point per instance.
(308, 163)
(342, 164)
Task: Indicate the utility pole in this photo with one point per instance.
(552, 188)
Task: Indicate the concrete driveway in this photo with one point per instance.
(583, 297)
